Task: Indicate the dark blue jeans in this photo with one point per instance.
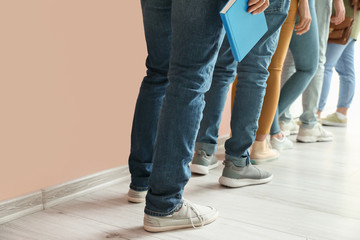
(252, 76)
(171, 99)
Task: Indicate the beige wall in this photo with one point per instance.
(69, 77)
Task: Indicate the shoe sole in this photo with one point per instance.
(282, 148)
(181, 226)
(203, 170)
(328, 123)
(312, 139)
(235, 183)
(135, 200)
(260, 161)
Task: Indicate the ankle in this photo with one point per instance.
(318, 114)
(278, 136)
(260, 137)
(342, 111)
(341, 116)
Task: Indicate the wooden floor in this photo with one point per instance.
(315, 194)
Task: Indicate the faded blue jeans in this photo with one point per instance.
(342, 58)
(305, 53)
(311, 95)
(171, 99)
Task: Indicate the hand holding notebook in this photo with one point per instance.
(243, 29)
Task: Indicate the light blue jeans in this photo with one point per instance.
(171, 99)
(305, 53)
(252, 76)
(342, 58)
(311, 95)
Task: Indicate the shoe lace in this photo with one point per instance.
(201, 219)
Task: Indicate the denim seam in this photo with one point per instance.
(159, 214)
(276, 9)
(139, 188)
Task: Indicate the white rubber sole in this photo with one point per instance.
(312, 139)
(135, 200)
(234, 183)
(282, 147)
(203, 170)
(328, 123)
(179, 226)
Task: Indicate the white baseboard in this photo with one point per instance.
(48, 197)
(21, 206)
(64, 192)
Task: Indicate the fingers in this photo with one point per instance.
(337, 19)
(303, 26)
(257, 6)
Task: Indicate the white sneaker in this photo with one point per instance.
(189, 215)
(315, 134)
(289, 128)
(234, 176)
(281, 144)
(136, 196)
(261, 152)
(334, 120)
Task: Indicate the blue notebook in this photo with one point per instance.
(243, 29)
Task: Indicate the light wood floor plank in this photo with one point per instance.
(314, 195)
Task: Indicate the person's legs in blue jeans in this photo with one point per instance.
(344, 65)
(157, 26)
(250, 90)
(206, 143)
(197, 34)
(310, 130)
(252, 76)
(215, 98)
(346, 70)
(342, 58)
(311, 95)
(305, 52)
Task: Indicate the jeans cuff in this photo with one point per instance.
(138, 188)
(209, 148)
(239, 161)
(274, 133)
(160, 214)
(308, 125)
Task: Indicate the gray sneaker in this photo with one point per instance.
(189, 215)
(136, 196)
(234, 176)
(202, 163)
